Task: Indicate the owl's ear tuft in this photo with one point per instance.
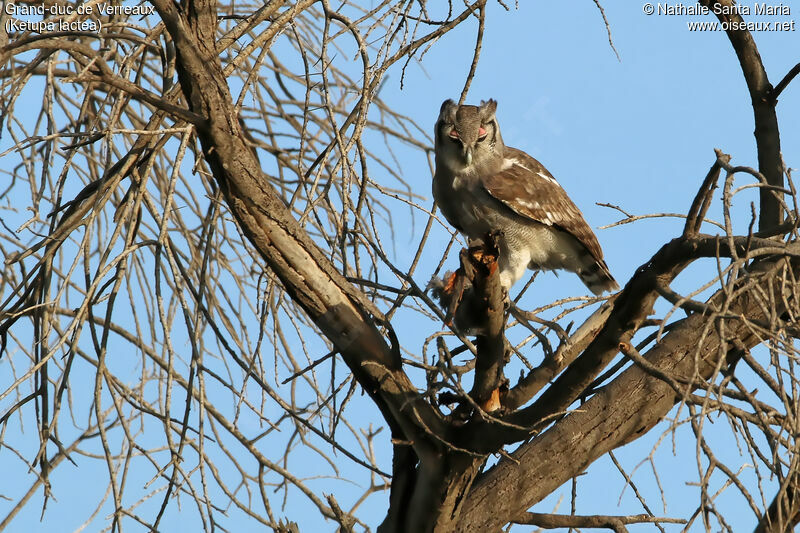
(488, 109)
(446, 104)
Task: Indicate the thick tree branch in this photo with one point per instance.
(342, 313)
(766, 132)
(630, 309)
(783, 513)
(622, 411)
(491, 343)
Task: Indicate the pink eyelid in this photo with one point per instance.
(454, 133)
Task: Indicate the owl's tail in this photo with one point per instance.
(598, 278)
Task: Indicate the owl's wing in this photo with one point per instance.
(528, 189)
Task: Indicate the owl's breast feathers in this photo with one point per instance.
(463, 200)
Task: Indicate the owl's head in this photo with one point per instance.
(467, 136)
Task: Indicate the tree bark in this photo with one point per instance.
(767, 134)
(341, 311)
(622, 411)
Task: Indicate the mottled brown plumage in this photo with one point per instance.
(482, 186)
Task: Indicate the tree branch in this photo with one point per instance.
(617, 523)
(340, 310)
(491, 343)
(566, 353)
(766, 120)
(783, 513)
(620, 412)
(776, 92)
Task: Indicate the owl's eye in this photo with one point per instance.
(453, 134)
(481, 134)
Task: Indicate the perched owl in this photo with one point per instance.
(482, 186)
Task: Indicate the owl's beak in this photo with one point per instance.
(468, 155)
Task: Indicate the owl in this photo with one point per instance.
(482, 186)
